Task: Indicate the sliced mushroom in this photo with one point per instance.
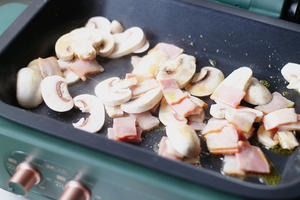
(55, 93)
(205, 82)
(111, 95)
(81, 42)
(143, 102)
(90, 104)
(107, 46)
(100, 23)
(149, 64)
(114, 111)
(287, 140)
(182, 69)
(28, 88)
(167, 115)
(144, 48)
(184, 139)
(128, 41)
(267, 138)
(116, 27)
(257, 93)
(291, 73)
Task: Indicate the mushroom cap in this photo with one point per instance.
(239, 78)
(128, 41)
(90, 104)
(184, 139)
(28, 90)
(257, 93)
(143, 48)
(100, 23)
(182, 68)
(111, 95)
(205, 82)
(55, 93)
(107, 46)
(143, 102)
(291, 71)
(116, 27)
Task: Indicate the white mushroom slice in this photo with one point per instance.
(267, 138)
(128, 41)
(28, 88)
(218, 111)
(257, 93)
(184, 139)
(55, 93)
(81, 42)
(291, 73)
(149, 64)
(205, 82)
(232, 89)
(116, 27)
(143, 102)
(100, 23)
(70, 77)
(107, 46)
(114, 111)
(182, 69)
(90, 104)
(287, 140)
(111, 95)
(167, 115)
(144, 48)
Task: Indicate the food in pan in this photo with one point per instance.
(164, 87)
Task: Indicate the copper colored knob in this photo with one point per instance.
(75, 191)
(24, 179)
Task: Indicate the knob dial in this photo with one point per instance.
(24, 179)
(75, 191)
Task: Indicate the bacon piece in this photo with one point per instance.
(125, 129)
(280, 117)
(242, 120)
(168, 115)
(171, 91)
(169, 49)
(223, 142)
(292, 126)
(248, 135)
(49, 67)
(185, 107)
(277, 102)
(83, 67)
(166, 150)
(287, 140)
(214, 125)
(196, 121)
(252, 159)
(146, 121)
(228, 95)
(267, 138)
(231, 166)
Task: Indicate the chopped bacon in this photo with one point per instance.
(146, 121)
(196, 121)
(287, 140)
(280, 117)
(223, 142)
(171, 91)
(49, 67)
(277, 102)
(214, 125)
(231, 166)
(292, 126)
(228, 95)
(166, 150)
(252, 159)
(124, 129)
(248, 135)
(185, 107)
(242, 120)
(169, 49)
(83, 67)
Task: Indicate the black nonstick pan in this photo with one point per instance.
(229, 36)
